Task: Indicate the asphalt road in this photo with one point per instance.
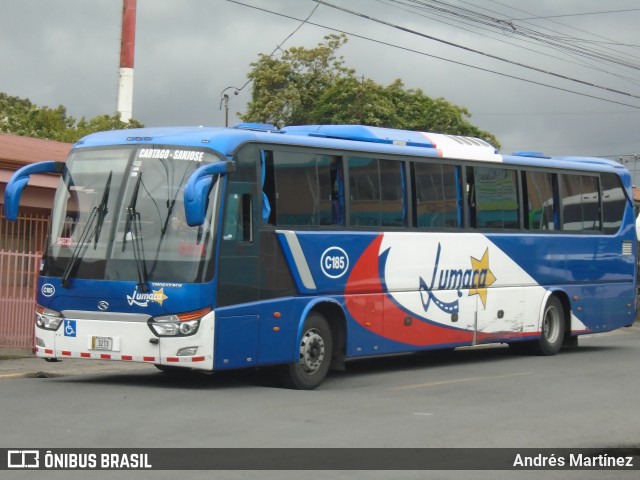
(483, 397)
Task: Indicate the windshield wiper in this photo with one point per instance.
(133, 223)
(97, 216)
(102, 209)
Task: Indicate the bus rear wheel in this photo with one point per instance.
(314, 355)
(552, 328)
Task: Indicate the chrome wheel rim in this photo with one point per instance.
(312, 350)
(551, 325)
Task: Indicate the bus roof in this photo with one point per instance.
(344, 137)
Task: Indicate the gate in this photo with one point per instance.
(21, 244)
(18, 272)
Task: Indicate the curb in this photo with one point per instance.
(32, 375)
(15, 353)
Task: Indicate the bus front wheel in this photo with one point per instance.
(314, 355)
(552, 328)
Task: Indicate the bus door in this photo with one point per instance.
(238, 279)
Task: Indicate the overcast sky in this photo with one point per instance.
(66, 52)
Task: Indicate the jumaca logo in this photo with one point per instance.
(368, 276)
(142, 299)
(475, 280)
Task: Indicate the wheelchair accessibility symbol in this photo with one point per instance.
(69, 328)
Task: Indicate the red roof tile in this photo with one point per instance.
(18, 151)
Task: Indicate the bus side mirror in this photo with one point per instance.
(196, 191)
(19, 180)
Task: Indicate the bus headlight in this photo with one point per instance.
(47, 318)
(179, 324)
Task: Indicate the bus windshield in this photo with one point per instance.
(119, 215)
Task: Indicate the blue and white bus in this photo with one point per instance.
(303, 247)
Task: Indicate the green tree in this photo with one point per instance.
(313, 86)
(20, 116)
(286, 89)
(99, 123)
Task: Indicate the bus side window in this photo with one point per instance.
(592, 214)
(377, 192)
(471, 199)
(613, 203)
(237, 218)
(495, 198)
(337, 191)
(364, 191)
(580, 203)
(269, 206)
(245, 216)
(540, 213)
(393, 188)
(436, 195)
(308, 188)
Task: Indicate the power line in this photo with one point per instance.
(279, 46)
(552, 113)
(439, 18)
(472, 50)
(448, 60)
(609, 40)
(224, 98)
(579, 14)
(569, 45)
(605, 44)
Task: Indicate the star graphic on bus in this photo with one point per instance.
(485, 277)
(159, 296)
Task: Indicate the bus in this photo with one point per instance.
(303, 247)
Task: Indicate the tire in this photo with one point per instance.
(314, 355)
(552, 329)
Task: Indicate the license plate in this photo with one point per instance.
(102, 343)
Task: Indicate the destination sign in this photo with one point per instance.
(168, 153)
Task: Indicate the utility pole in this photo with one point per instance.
(224, 102)
(127, 49)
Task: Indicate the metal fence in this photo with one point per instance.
(18, 271)
(21, 244)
